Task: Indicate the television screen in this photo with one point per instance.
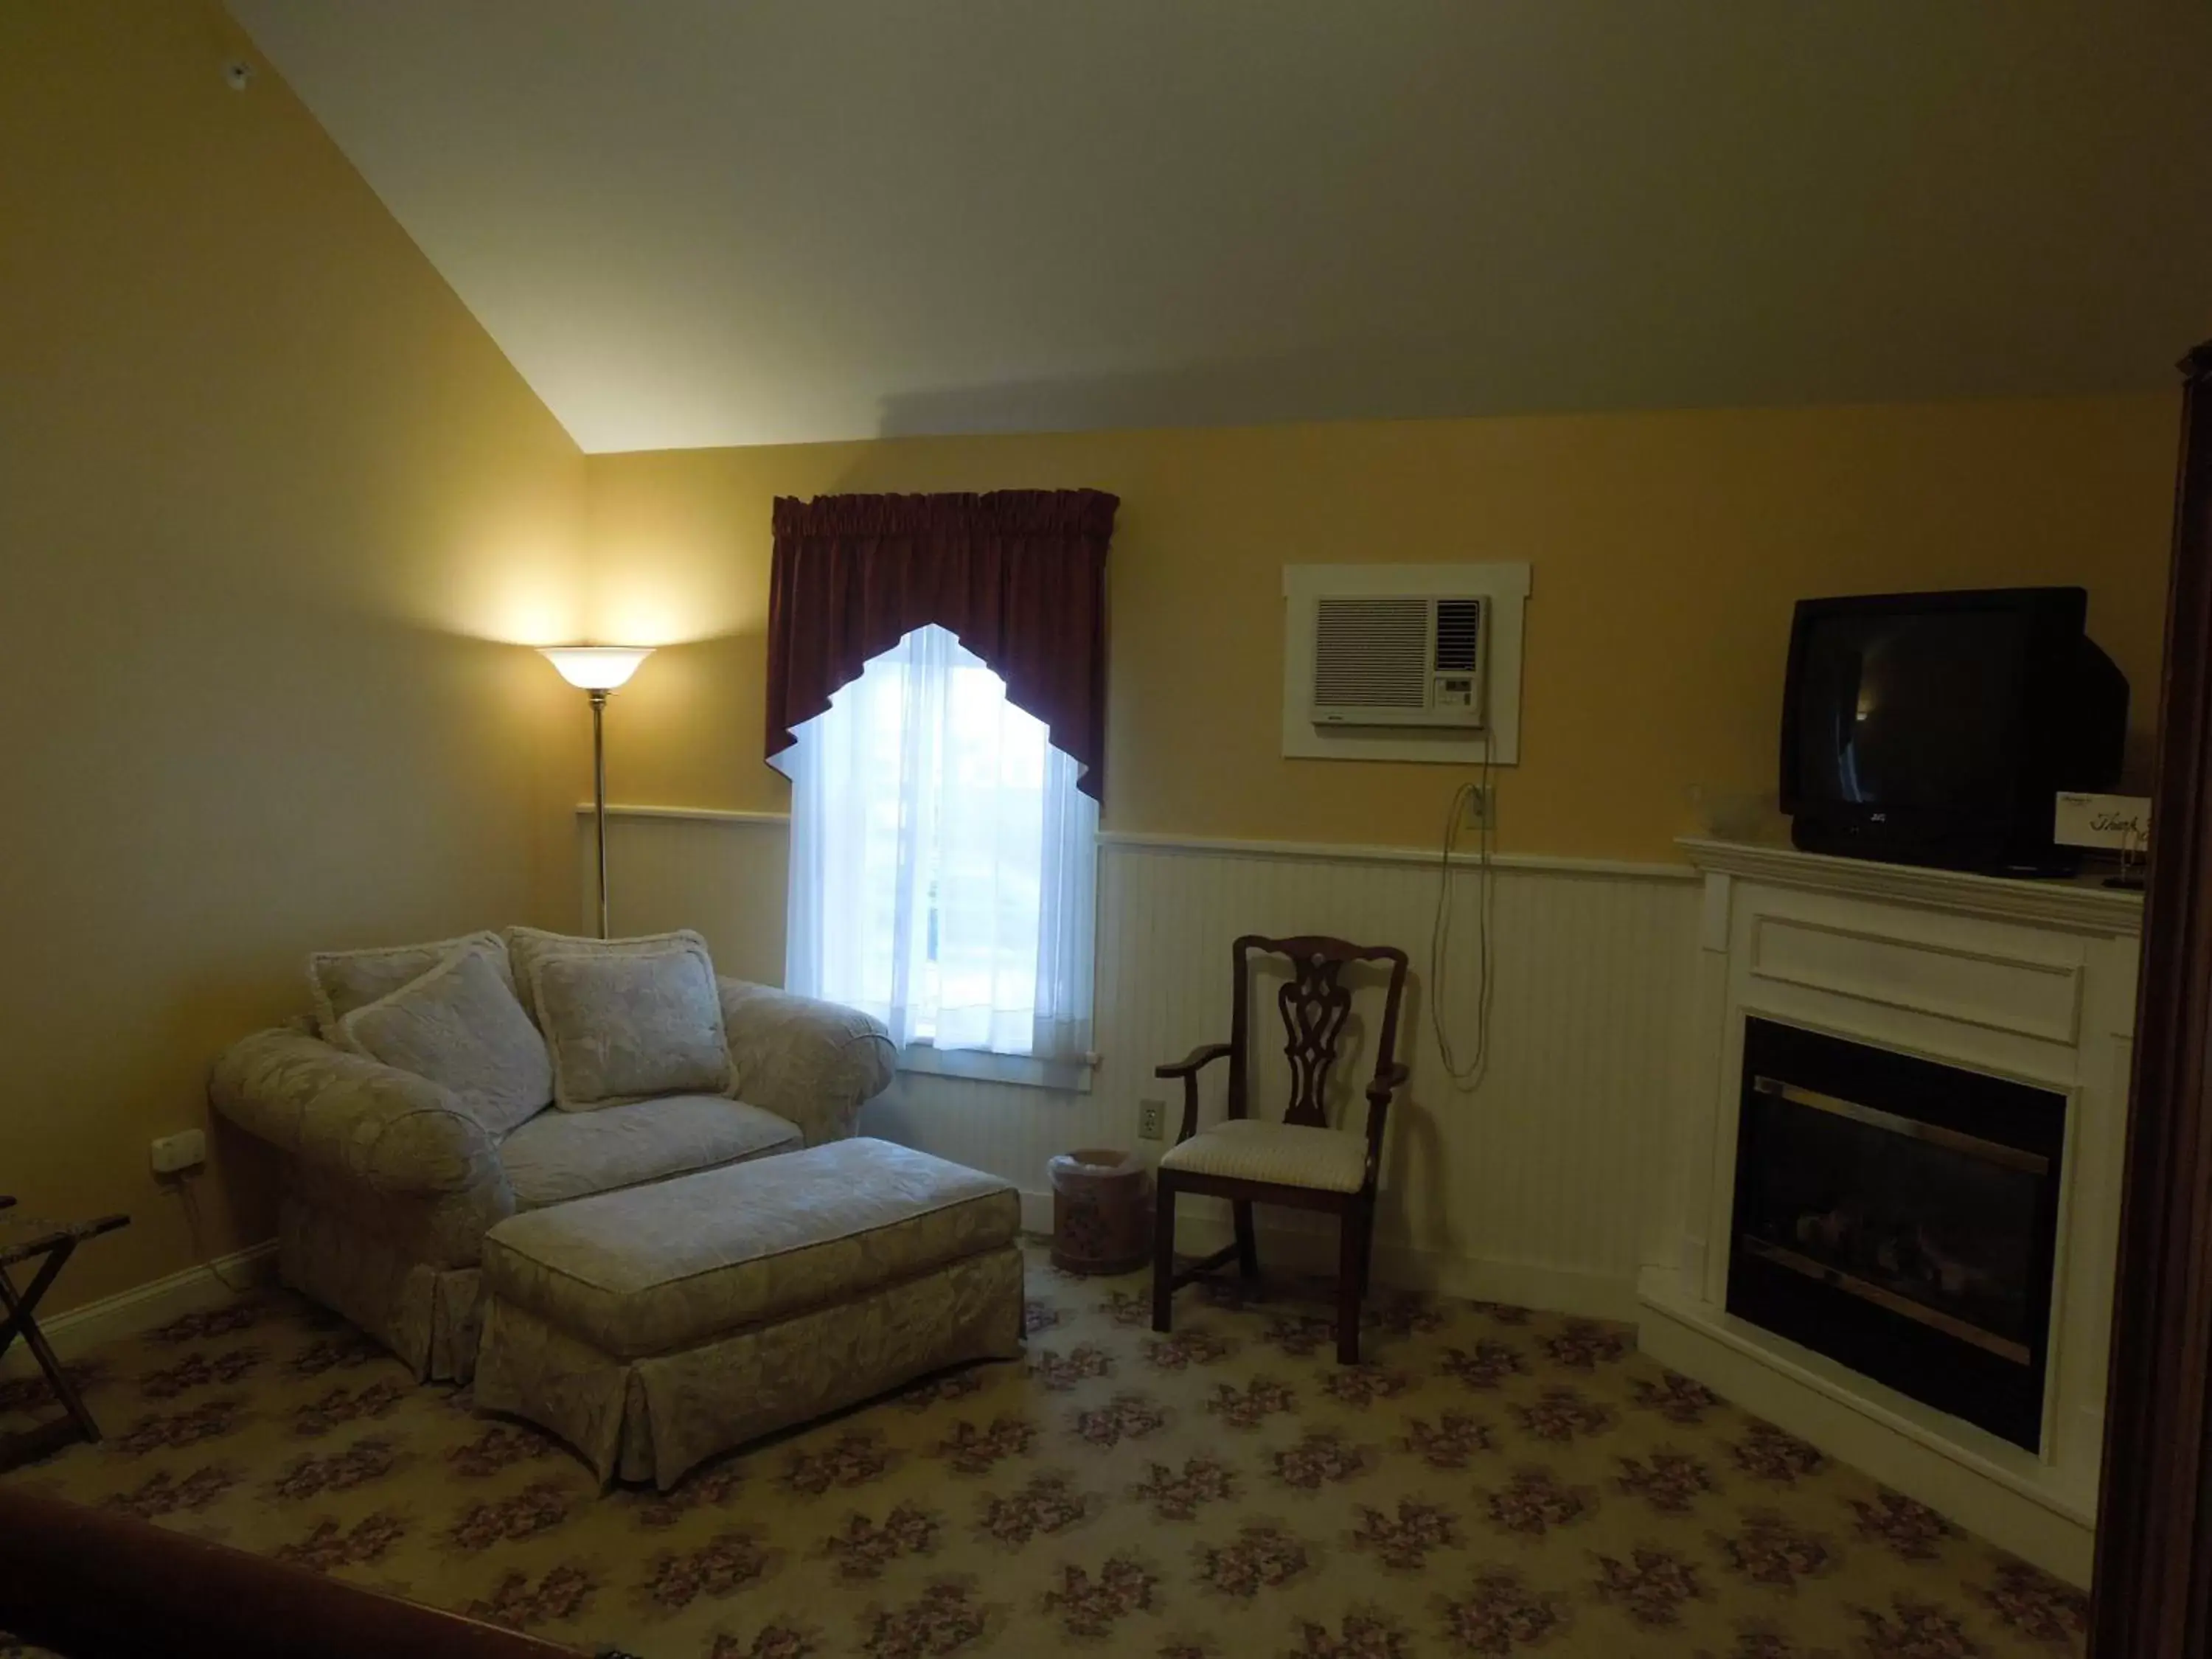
(1899, 709)
(1935, 728)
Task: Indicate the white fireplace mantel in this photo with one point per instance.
(2028, 980)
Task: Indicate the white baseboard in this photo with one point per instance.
(1037, 1214)
(142, 1308)
(1521, 1284)
(1399, 1265)
(1403, 1265)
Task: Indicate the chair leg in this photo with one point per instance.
(1347, 1285)
(1163, 1256)
(1248, 1243)
(1366, 1246)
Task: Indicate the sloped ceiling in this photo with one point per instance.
(703, 222)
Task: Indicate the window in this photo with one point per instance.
(943, 866)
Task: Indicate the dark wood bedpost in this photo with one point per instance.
(2154, 1584)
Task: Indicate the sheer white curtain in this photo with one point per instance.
(943, 866)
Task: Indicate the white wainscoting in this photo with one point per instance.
(1544, 1186)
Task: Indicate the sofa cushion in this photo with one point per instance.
(558, 1155)
(460, 1026)
(627, 1026)
(343, 981)
(528, 946)
(660, 1268)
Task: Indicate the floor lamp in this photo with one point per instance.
(599, 671)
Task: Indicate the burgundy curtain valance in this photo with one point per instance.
(1018, 574)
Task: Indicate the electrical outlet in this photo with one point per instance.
(175, 1154)
(1475, 810)
(1151, 1120)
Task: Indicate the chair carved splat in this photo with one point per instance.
(1315, 1006)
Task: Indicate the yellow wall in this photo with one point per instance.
(273, 510)
(1668, 549)
(269, 497)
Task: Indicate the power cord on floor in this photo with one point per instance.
(1465, 1078)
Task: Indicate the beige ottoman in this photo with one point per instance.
(657, 1326)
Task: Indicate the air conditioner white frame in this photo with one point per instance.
(1503, 587)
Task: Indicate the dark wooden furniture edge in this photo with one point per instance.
(93, 1584)
(2153, 1598)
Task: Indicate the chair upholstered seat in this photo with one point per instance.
(1282, 1154)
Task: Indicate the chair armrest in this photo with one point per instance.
(1188, 1069)
(1204, 1054)
(815, 1063)
(1389, 1080)
(343, 1113)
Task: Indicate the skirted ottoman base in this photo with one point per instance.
(653, 1327)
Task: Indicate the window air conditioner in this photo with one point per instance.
(1399, 660)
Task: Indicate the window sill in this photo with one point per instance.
(981, 1066)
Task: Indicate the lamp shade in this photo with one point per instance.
(596, 667)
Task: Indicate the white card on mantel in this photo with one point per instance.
(2118, 824)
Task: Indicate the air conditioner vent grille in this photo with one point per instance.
(1371, 652)
(1459, 636)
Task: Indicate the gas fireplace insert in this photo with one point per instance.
(1900, 1216)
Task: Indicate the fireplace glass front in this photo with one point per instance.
(1900, 1216)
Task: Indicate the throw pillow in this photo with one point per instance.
(627, 1025)
(343, 981)
(460, 1026)
(528, 946)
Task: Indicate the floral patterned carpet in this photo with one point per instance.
(1492, 1481)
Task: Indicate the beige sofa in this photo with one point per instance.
(391, 1183)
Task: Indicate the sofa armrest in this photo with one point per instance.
(350, 1117)
(815, 1063)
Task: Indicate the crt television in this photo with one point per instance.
(1935, 728)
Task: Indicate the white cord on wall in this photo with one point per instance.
(1469, 1077)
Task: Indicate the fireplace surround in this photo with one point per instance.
(1899, 1123)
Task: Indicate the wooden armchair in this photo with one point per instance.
(1299, 1161)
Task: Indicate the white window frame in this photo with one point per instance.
(983, 1065)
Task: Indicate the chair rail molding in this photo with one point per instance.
(1304, 851)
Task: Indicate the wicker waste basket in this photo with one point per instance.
(1102, 1213)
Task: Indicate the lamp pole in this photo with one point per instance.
(599, 670)
(599, 793)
